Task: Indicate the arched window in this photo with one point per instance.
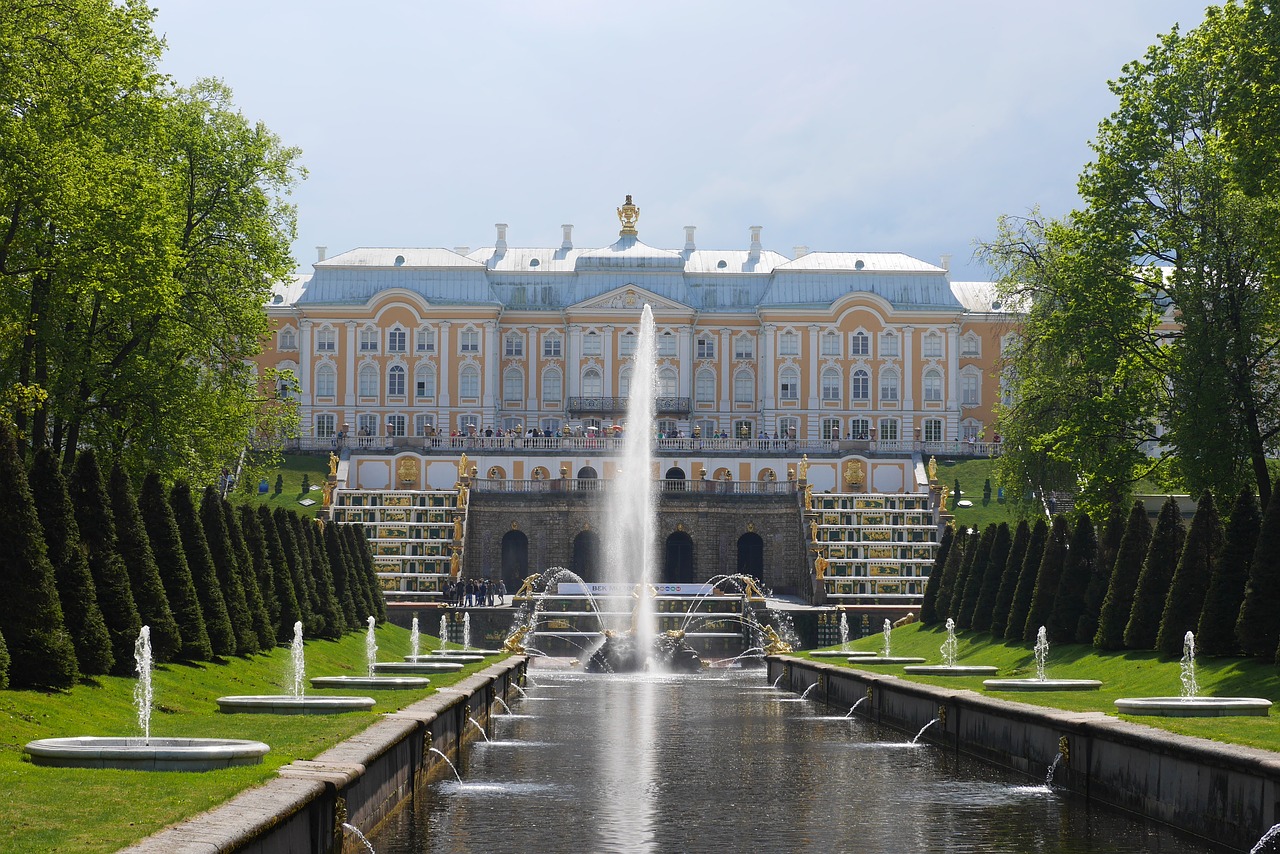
(395, 380)
(288, 339)
(970, 345)
(591, 384)
(667, 382)
(888, 384)
(469, 382)
(789, 384)
(368, 381)
(830, 344)
(624, 381)
(424, 381)
(831, 384)
(970, 386)
(396, 340)
(705, 387)
(933, 386)
(326, 339)
(889, 345)
(326, 381)
(512, 386)
(552, 386)
(931, 346)
(744, 387)
(627, 344)
(860, 385)
(859, 344)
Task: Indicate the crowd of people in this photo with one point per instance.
(475, 593)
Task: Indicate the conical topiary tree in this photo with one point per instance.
(175, 574)
(977, 576)
(1190, 582)
(1258, 627)
(218, 540)
(929, 604)
(1100, 578)
(1109, 537)
(70, 561)
(4, 663)
(204, 574)
(262, 628)
(951, 572)
(144, 576)
(1077, 571)
(340, 566)
(992, 579)
(110, 576)
(1153, 582)
(40, 651)
(334, 624)
(1216, 630)
(1009, 579)
(1026, 588)
(973, 538)
(293, 559)
(1052, 562)
(368, 574)
(1117, 605)
(255, 543)
(308, 573)
(286, 593)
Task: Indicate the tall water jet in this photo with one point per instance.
(142, 692)
(1190, 688)
(1041, 682)
(371, 646)
(949, 646)
(415, 640)
(1042, 652)
(296, 660)
(844, 632)
(886, 631)
(444, 629)
(466, 631)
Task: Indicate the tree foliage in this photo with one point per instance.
(144, 575)
(1153, 581)
(1258, 627)
(175, 573)
(1026, 587)
(1190, 582)
(1009, 579)
(929, 604)
(992, 578)
(222, 635)
(1048, 576)
(1077, 572)
(1117, 605)
(1216, 631)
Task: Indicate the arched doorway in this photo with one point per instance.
(751, 556)
(677, 564)
(515, 559)
(674, 473)
(587, 473)
(585, 561)
(674, 480)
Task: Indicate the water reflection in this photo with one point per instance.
(700, 763)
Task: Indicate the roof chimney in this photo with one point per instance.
(500, 245)
(689, 245)
(800, 251)
(946, 262)
(755, 242)
(462, 250)
(567, 243)
(320, 253)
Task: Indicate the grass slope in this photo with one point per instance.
(67, 809)
(292, 468)
(972, 474)
(1127, 674)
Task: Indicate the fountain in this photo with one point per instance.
(844, 644)
(854, 707)
(373, 680)
(415, 639)
(1190, 703)
(887, 657)
(146, 753)
(949, 666)
(466, 631)
(296, 702)
(1041, 683)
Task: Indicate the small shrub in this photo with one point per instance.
(279, 484)
(306, 483)
(986, 492)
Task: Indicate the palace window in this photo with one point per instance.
(325, 428)
(368, 381)
(627, 344)
(705, 387)
(830, 428)
(512, 386)
(469, 341)
(933, 429)
(744, 347)
(326, 381)
(395, 425)
(933, 386)
(326, 339)
(367, 425)
(860, 428)
(889, 345)
(788, 344)
(591, 383)
(368, 340)
(423, 424)
(970, 345)
(288, 340)
(744, 388)
(396, 340)
(888, 385)
(591, 345)
(424, 381)
(831, 384)
(859, 344)
(395, 381)
(789, 384)
(931, 346)
(888, 429)
(860, 385)
(551, 347)
(469, 382)
(667, 382)
(788, 428)
(706, 347)
(513, 346)
(970, 387)
(552, 386)
(624, 381)
(830, 344)
(426, 340)
(666, 344)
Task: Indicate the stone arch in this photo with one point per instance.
(674, 473)
(515, 559)
(585, 560)
(751, 555)
(496, 473)
(678, 561)
(587, 473)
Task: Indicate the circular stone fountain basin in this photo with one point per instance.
(394, 667)
(157, 754)
(379, 683)
(836, 653)
(884, 659)
(1194, 707)
(468, 651)
(287, 704)
(952, 670)
(459, 658)
(1041, 684)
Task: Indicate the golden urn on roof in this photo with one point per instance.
(627, 215)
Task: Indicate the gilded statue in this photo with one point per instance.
(813, 530)
(774, 645)
(455, 563)
(802, 470)
(515, 641)
(326, 493)
(457, 528)
(462, 466)
(854, 472)
(333, 464)
(820, 565)
(933, 469)
(808, 496)
(942, 500)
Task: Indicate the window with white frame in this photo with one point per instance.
(326, 339)
(367, 425)
(426, 340)
(396, 340)
(469, 424)
(469, 341)
(932, 381)
(705, 387)
(667, 382)
(424, 382)
(743, 429)
(1008, 387)
(368, 340)
(932, 430)
(552, 386)
(326, 381)
(789, 384)
(667, 428)
(788, 344)
(368, 381)
(831, 384)
(969, 431)
(395, 380)
(706, 347)
(624, 381)
(788, 428)
(744, 347)
(744, 388)
(666, 345)
(706, 428)
(288, 340)
(550, 425)
(931, 346)
(830, 428)
(888, 429)
(859, 344)
(469, 382)
(888, 385)
(860, 428)
(1009, 342)
(513, 346)
(551, 346)
(512, 386)
(423, 424)
(395, 425)
(326, 426)
(970, 387)
(591, 345)
(860, 385)
(830, 344)
(627, 344)
(889, 348)
(970, 345)
(591, 383)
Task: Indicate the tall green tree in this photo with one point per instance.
(255, 542)
(929, 604)
(175, 574)
(1077, 570)
(977, 577)
(1190, 582)
(1153, 580)
(40, 650)
(296, 573)
(70, 562)
(1117, 605)
(228, 572)
(992, 578)
(1100, 577)
(1052, 563)
(1258, 627)
(285, 591)
(1009, 579)
(330, 611)
(341, 567)
(950, 573)
(144, 576)
(1216, 630)
(222, 634)
(248, 571)
(1027, 575)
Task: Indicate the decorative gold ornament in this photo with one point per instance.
(333, 465)
(854, 472)
(627, 215)
(751, 527)
(462, 465)
(407, 469)
(515, 526)
(679, 526)
(933, 469)
(802, 470)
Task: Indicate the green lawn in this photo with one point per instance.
(67, 809)
(1128, 674)
(972, 474)
(292, 467)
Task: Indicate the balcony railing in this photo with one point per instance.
(666, 487)
(618, 405)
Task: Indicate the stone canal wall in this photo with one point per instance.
(1227, 794)
(360, 781)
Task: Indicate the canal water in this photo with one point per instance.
(718, 761)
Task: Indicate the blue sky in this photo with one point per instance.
(844, 125)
